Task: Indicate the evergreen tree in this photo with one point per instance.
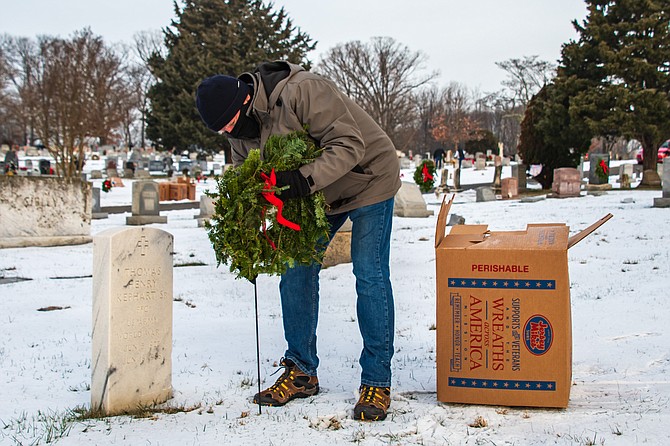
(622, 61)
(550, 135)
(213, 37)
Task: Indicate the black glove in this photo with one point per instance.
(298, 185)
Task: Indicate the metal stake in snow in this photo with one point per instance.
(258, 347)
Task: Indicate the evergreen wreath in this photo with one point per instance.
(424, 176)
(602, 171)
(107, 185)
(247, 232)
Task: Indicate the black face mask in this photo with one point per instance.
(246, 127)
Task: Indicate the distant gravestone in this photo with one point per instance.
(664, 201)
(567, 183)
(339, 248)
(480, 162)
(497, 173)
(595, 160)
(519, 172)
(509, 188)
(142, 174)
(442, 188)
(485, 193)
(96, 174)
(112, 172)
(457, 179)
(145, 206)
(409, 202)
(625, 175)
(206, 210)
(132, 319)
(96, 211)
(455, 219)
(44, 211)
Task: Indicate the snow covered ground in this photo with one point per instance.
(621, 348)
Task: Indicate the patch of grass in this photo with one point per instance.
(43, 427)
(479, 422)
(140, 412)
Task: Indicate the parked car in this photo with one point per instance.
(663, 152)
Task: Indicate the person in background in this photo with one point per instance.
(461, 156)
(359, 174)
(438, 156)
(11, 161)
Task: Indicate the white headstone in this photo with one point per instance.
(132, 319)
(96, 210)
(206, 210)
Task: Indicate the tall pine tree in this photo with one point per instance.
(623, 58)
(213, 37)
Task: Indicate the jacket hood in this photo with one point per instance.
(271, 76)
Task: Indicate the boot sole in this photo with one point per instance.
(274, 403)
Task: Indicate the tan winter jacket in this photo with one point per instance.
(287, 97)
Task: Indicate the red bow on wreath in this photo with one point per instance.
(426, 175)
(269, 195)
(604, 167)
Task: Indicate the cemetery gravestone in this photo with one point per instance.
(457, 179)
(442, 187)
(519, 172)
(480, 162)
(485, 193)
(132, 319)
(509, 188)
(567, 182)
(409, 202)
(595, 161)
(145, 206)
(625, 175)
(339, 248)
(44, 211)
(497, 173)
(206, 210)
(664, 201)
(96, 211)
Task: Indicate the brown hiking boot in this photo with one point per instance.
(293, 383)
(373, 403)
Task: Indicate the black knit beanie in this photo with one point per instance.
(219, 98)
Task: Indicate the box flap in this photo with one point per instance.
(572, 241)
(442, 219)
(469, 229)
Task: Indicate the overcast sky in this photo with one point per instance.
(461, 39)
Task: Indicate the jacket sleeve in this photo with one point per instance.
(327, 113)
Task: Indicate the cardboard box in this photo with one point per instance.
(504, 330)
(163, 191)
(178, 191)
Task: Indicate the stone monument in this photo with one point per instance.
(509, 188)
(339, 248)
(96, 211)
(625, 175)
(519, 172)
(497, 173)
(44, 211)
(206, 210)
(132, 319)
(596, 161)
(409, 202)
(664, 201)
(567, 183)
(145, 206)
(485, 193)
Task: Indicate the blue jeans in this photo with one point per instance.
(299, 289)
